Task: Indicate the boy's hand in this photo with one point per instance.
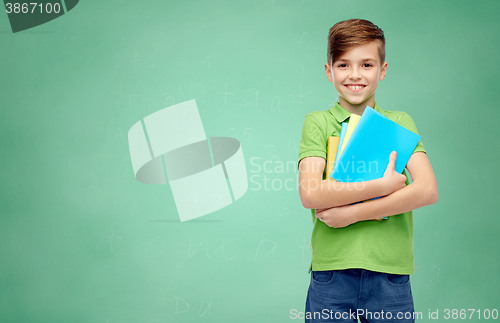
(394, 180)
(336, 217)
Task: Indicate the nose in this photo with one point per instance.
(355, 74)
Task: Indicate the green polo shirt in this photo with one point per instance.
(383, 246)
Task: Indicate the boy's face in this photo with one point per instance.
(355, 76)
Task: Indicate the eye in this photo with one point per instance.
(367, 65)
(342, 65)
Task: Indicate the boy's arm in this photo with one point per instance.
(318, 193)
(423, 191)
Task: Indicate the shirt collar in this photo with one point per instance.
(342, 114)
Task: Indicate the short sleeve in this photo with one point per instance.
(406, 121)
(313, 141)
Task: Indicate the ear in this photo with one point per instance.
(383, 70)
(328, 72)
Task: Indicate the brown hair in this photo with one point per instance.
(348, 33)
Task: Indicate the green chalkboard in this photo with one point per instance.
(82, 240)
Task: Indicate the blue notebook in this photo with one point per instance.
(366, 154)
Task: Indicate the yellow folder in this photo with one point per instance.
(333, 144)
(353, 122)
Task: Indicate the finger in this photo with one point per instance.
(392, 159)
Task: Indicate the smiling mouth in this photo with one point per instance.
(355, 87)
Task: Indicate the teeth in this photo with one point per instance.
(355, 87)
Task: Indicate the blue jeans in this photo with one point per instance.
(345, 295)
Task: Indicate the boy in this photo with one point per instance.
(360, 268)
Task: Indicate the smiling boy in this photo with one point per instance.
(360, 268)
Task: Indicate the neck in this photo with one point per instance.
(357, 108)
